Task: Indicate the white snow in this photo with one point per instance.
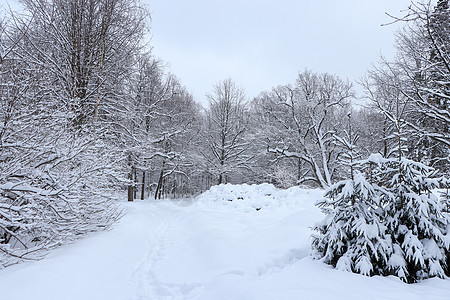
(213, 249)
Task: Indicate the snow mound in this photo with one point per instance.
(256, 197)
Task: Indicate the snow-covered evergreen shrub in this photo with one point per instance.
(391, 225)
(416, 221)
(352, 236)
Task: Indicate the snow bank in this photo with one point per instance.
(252, 198)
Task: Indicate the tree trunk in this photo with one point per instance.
(159, 186)
(130, 186)
(134, 182)
(149, 184)
(143, 185)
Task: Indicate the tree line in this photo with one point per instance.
(87, 112)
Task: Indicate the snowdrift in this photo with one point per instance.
(252, 198)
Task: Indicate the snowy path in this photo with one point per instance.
(163, 251)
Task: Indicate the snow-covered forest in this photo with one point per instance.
(90, 118)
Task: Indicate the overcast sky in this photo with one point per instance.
(262, 43)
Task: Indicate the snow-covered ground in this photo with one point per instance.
(232, 242)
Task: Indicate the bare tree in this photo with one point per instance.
(87, 48)
(304, 120)
(422, 66)
(46, 197)
(226, 126)
(160, 126)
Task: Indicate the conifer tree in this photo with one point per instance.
(391, 224)
(415, 220)
(352, 237)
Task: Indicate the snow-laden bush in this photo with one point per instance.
(51, 194)
(352, 237)
(391, 224)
